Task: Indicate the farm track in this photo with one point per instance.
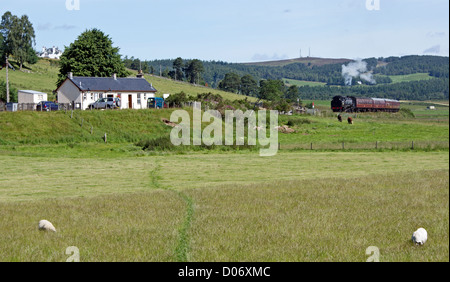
(182, 248)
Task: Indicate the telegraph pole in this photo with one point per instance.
(7, 80)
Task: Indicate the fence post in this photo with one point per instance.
(106, 141)
(412, 145)
(343, 145)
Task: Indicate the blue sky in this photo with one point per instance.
(246, 30)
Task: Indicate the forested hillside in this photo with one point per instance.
(383, 74)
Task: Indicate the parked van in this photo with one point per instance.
(156, 103)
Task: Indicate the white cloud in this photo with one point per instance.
(265, 57)
(433, 50)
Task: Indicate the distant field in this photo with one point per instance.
(421, 110)
(410, 77)
(301, 83)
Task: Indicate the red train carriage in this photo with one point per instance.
(354, 104)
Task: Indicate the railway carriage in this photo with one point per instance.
(355, 104)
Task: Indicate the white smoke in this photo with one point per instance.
(355, 69)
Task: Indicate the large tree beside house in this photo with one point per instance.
(92, 54)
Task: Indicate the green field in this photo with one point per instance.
(225, 207)
(410, 77)
(164, 85)
(115, 201)
(301, 83)
(42, 77)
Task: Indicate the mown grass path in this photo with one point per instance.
(182, 248)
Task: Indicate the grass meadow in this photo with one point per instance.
(323, 206)
(115, 201)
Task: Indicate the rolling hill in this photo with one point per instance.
(310, 61)
(42, 77)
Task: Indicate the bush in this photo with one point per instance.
(293, 122)
(160, 143)
(12, 92)
(405, 112)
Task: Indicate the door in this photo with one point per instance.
(130, 101)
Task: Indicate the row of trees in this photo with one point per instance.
(17, 38)
(434, 65)
(266, 89)
(178, 69)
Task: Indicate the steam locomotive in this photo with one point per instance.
(354, 104)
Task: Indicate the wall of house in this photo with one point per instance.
(69, 93)
(24, 97)
(138, 100)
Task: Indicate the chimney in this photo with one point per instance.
(115, 76)
(140, 74)
(70, 75)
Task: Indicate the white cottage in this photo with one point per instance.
(132, 92)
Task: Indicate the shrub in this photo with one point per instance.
(407, 112)
(293, 122)
(161, 143)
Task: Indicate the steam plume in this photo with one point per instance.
(355, 69)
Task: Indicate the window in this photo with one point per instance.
(84, 97)
(139, 98)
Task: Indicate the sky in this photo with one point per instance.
(245, 30)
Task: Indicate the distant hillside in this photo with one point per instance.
(323, 70)
(309, 61)
(43, 75)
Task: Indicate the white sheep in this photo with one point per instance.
(45, 225)
(420, 236)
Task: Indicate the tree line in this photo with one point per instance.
(331, 74)
(17, 38)
(432, 89)
(178, 69)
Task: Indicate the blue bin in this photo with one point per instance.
(11, 107)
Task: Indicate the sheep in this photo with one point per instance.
(350, 120)
(340, 118)
(45, 225)
(420, 236)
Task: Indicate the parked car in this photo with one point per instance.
(105, 103)
(47, 106)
